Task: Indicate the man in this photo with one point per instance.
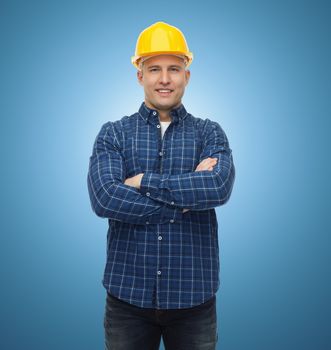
(157, 176)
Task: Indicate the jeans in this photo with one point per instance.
(128, 327)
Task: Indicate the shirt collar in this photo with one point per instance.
(149, 114)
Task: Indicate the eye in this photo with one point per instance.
(174, 69)
(153, 69)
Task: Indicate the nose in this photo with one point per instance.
(164, 77)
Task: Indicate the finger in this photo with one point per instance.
(207, 162)
(210, 163)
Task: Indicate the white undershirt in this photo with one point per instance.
(164, 126)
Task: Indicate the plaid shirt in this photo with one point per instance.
(158, 256)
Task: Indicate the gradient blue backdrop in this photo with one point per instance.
(261, 69)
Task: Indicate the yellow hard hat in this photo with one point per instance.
(161, 38)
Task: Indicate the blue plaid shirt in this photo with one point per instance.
(158, 256)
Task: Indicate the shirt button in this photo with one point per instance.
(160, 238)
(154, 113)
(147, 222)
(158, 126)
(159, 272)
(172, 221)
(172, 203)
(160, 154)
(148, 194)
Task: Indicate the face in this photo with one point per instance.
(164, 79)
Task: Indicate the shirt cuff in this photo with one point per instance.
(171, 215)
(149, 185)
(167, 215)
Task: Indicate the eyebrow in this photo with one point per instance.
(171, 66)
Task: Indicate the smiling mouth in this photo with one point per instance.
(164, 92)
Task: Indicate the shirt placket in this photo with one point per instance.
(162, 230)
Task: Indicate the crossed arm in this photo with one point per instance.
(155, 198)
(206, 164)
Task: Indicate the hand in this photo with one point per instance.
(206, 164)
(134, 181)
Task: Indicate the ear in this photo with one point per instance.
(140, 77)
(187, 76)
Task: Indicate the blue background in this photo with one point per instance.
(261, 69)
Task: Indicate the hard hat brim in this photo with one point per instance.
(188, 55)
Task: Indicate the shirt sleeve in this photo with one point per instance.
(110, 197)
(199, 190)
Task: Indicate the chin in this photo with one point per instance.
(168, 105)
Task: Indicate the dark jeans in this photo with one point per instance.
(128, 327)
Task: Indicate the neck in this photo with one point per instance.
(164, 114)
